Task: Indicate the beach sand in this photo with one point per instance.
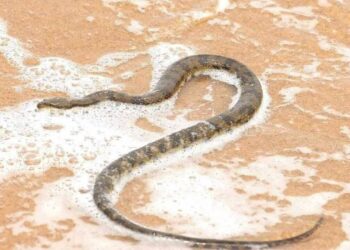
(267, 180)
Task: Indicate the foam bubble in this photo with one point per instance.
(135, 27)
(222, 5)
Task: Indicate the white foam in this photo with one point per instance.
(345, 130)
(193, 200)
(261, 3)
(345, 226)
(209, 95)
(287, 21)
(290, 93)
(135, 27)
(51, 207)
(87, 139)
(92, 137)
(198, 15)
(235, 27)
(223, 5)
(3, 27)
(328, 44)
(111, 60)
(273, 8)
(167, 175)
(323, 3)
(163, 55)
(334, 112)
(127, 75)
(97, 135)
(288, 17)
(309, 71)
(304, 150)
(11, 48)
(140, 4)
(218, 21)
(289, 97)
(315, 156)
(208, 37)
(227, 77)
(312, 68)
(90, 19)
(59, 74)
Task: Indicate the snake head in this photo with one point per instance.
(58, 102)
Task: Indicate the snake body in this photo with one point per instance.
(178, 73)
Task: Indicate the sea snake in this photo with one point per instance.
(173, 78)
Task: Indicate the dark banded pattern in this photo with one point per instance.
(248, 103)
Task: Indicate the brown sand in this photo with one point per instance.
(60, 28)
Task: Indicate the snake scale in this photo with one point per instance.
(173, 78)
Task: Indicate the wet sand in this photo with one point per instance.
(269, 181)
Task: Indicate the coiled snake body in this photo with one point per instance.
(247, 104)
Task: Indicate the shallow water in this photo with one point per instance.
(265, 180)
